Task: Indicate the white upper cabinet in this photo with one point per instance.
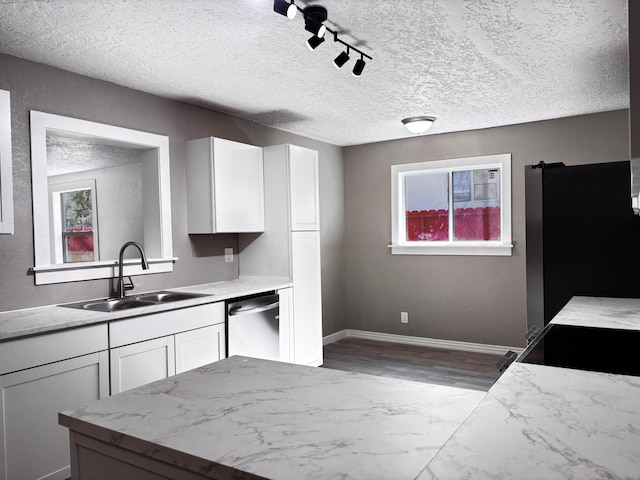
(303, 169)
(225, 191)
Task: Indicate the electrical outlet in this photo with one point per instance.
(404, 317)
(228, 255)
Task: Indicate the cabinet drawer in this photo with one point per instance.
(138, 329)
(42, 349)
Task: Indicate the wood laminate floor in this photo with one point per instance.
(476, 371)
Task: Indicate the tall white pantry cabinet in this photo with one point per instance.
(290, 245)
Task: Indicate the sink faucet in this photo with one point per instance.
(121, 286)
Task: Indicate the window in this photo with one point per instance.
(75, 229)
(452, 207)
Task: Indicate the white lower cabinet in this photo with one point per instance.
(143, 362)
(191, 337)
(32, 444)
(46, 374)
(199, 347)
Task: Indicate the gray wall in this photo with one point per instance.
(201, 258)
(463, 298)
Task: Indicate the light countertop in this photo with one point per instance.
(31, 321)
(542, 422)
(602, 312)
(281, 421)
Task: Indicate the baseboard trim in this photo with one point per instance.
(422, 341)
(334, 337)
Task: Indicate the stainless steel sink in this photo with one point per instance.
(134, 301)
(164, 297)
(109, 304)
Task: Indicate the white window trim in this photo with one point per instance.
(47, 272)
(6, 176)
(400, 246)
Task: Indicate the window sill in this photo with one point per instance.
(496, 249)
(74, 272)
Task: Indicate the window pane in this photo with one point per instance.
(77, 231)
(476, 204)
(427, 206)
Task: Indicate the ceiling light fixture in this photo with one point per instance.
(314, 18)
(285, 8)
(358, 67)
(341, 59)
(420, 124)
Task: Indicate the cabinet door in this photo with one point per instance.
(303, 168)
(239, 187)
(32, 444)
(307, 302)
(140, 363)
(225, 189)
(199, 347)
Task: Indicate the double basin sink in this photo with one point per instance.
(134, 301)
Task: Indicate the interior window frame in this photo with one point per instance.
(58, 233)
(401, 246)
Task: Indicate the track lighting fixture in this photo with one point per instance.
(418, 125)
(358, 67)
(315, 17)
(314, 42)
(342, 59)
(285, 8)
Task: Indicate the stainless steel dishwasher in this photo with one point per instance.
(253, 327)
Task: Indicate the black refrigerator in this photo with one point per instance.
(582, 236)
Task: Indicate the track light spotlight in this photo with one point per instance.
(359, 67)
(318, 29)
(341, 59)
(314, 42)
(285, 8)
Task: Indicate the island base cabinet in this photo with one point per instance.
(95, 460)
(32, 443)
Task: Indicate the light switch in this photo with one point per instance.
(228, 255)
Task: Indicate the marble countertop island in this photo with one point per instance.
(543, 422)
(248, 418)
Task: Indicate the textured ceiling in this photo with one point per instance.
(471, 63)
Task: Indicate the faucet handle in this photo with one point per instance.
(128, 285)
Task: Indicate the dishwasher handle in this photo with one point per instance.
(255, 305)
